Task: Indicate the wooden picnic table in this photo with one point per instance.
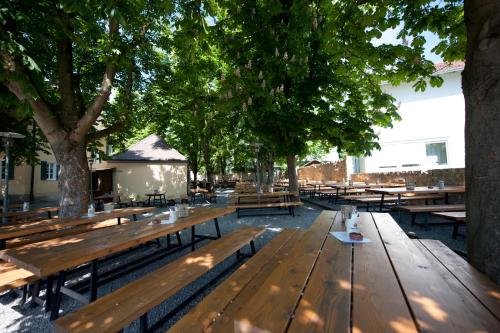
(315, 283)
(422, 190)
(20, 214)
(457, 217)
(264, 194)
(45, 259)
(14, 230)
(160, 195)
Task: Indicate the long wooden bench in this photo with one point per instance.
(483, 289)
(418, 209)
(394, 199)
(253, 201)
(119, 308)
(204, 313)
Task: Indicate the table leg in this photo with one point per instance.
(49, 214)
(143, 323)
(93, 280)
(179, 242)
(54, 313)
(252, 246)
(446, 199)
(399, 205)
(192, 238)
(134, 217)
(2, 244)
(217, 229)
(382, 202)
(149, 200)
(119, 220)
(49, 293)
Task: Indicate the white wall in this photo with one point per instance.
(436, 115)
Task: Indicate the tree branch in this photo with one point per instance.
(41, 111)
(94, 136)
(85, 123)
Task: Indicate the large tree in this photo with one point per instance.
(471, 32)
(481, 87)
(62, 59)
(308, 70)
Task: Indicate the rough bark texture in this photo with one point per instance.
(206, 159)
(481, 87)
(292, 173)
(73, 178)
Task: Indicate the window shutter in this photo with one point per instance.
(57, 171)
(43, 170)
(11, 170)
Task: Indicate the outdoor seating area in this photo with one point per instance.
(249, 166)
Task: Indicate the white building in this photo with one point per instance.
(430, 134)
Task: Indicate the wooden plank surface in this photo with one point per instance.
(248, 277)
(433, 208)
(12, 276)
(16, 242)
(269, 306)
(439, 302)
(421, 190)
(28, 228)
(265, 194)
(19, 214)
(326, 303)
(117, 309)
(454, 216)
(485, 290)
(52, 256)
(378, 302)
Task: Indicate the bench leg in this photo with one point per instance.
(252, 247)
(143, 323)
(54, 313)
(179, 242)
(25, 293)
(35, 291)
(217, 229)
(168, 241)
(93, 280)
(192, 238)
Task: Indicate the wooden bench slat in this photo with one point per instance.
(114, 311)
(269, 205)
(438, 300)
(485, 290)
(403, 198)
(271, 303)
(20, 241)
(378, 301)
(241, 282)
(432, 208)
(12, 276)
(331, 276)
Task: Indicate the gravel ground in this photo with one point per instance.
(15, 317)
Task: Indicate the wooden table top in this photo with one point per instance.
(418, 190)
(264, 194)
(154, 194)
(52, 256)
(454, 216)
(13, 230)
(34, 211)
(315, 283)
(198, 190)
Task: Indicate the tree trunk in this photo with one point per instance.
(270, 170)
(206, 159)
(481, 87)
(73, 178)
(293, 185)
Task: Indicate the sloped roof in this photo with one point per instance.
(447, 67)
(150, 149)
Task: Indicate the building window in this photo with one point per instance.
(436, 153)
(3, 169)
(49, 171)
